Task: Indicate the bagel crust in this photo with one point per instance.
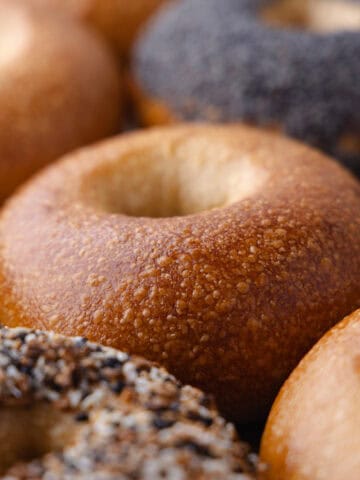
(222, 252)
(225, 61)
(118, 20)
(54, 95)
(313, 429)
(96, 413)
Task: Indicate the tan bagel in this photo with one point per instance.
(70, 409)
(118, 20)
(313, 432)
(222, 252)
(59, 89)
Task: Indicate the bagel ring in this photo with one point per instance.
(325, 389)
(96, 413)
(230, 61)
(224, 253)
(54, 96)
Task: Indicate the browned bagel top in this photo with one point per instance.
(222, 252)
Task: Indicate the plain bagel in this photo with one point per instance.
(224, 253)
(313, 431)
(54, 95)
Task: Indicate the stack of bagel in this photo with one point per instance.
(179, 239)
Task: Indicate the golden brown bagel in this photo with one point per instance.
(118, 20)
(313, 432)
(222, 252)
(59, 89)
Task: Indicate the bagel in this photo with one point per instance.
(118, 20)
(54, 96)
(224, 253)
(313, 429)
(92, 412)
(245, 60)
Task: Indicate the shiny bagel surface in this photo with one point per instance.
(224, 253)
(313, 432)
(59, 89)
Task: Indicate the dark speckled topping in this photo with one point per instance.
(208, 59)
(137, 422)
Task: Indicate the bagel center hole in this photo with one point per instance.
(314, 15)
(29, 432)
(156, 185)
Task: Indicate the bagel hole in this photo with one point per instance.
(314, 15)
(196, 178)
(29, 432)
